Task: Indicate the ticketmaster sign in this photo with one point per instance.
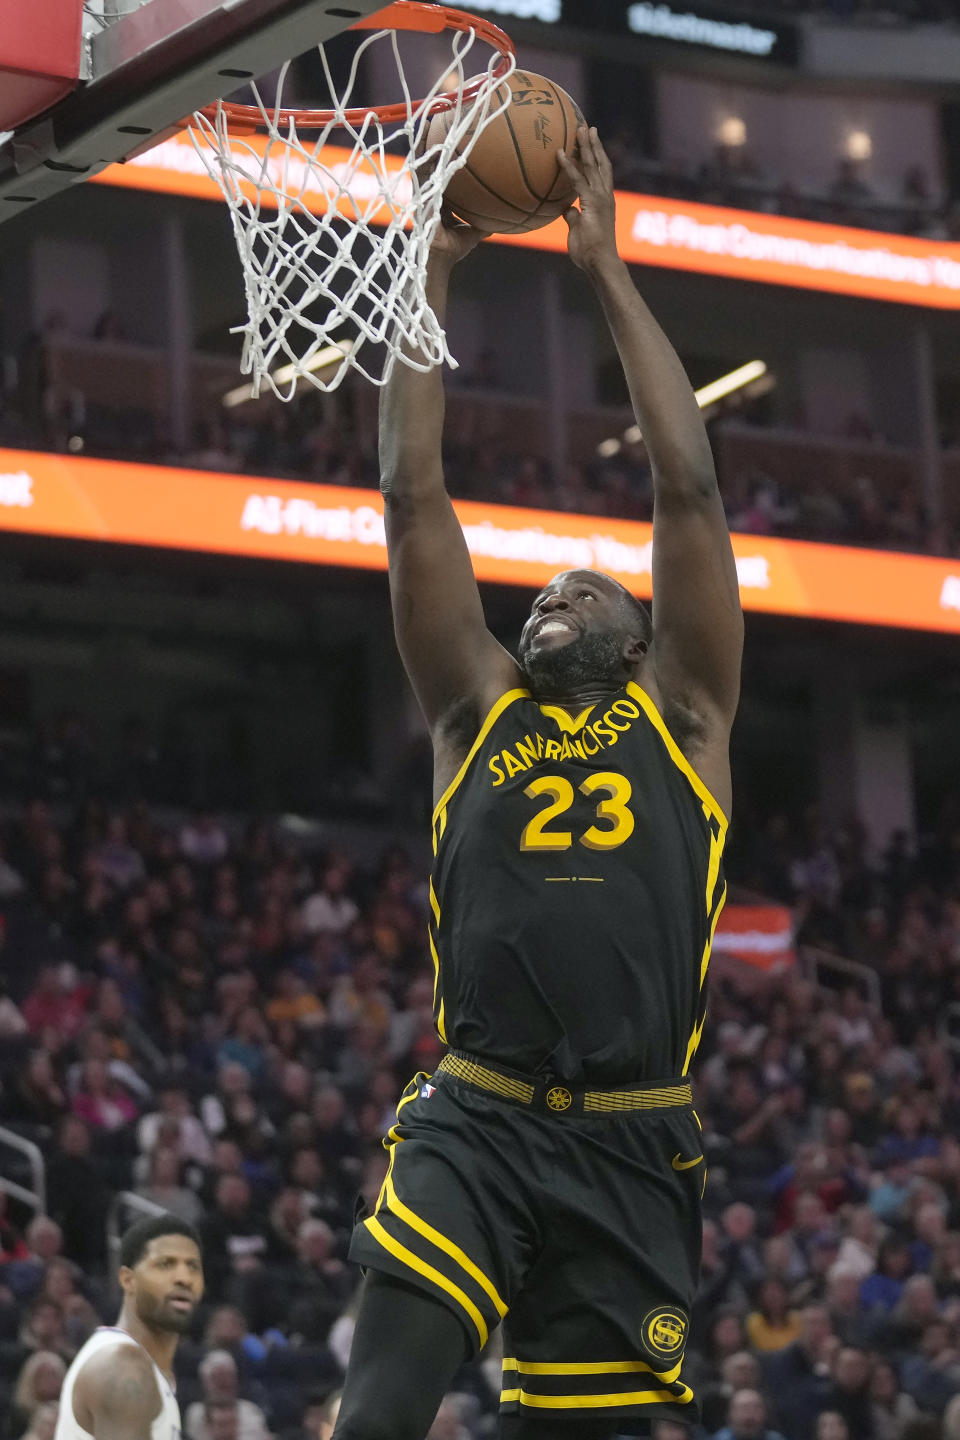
(764, 41)
(707, 27)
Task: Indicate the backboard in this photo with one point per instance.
(141, 66)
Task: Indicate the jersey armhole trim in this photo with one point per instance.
(493, 716)
(675, 753)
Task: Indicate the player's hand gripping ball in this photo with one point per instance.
(512, 180)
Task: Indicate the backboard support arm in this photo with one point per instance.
(149, 69)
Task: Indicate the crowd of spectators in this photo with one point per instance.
(844, 195)
(219, 1020)
(307, 440)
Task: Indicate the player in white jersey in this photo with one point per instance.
(121, 1386)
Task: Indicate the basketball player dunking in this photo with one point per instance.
(549, 1174)
(120, 1386)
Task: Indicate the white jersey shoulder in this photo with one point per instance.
(167, 1424)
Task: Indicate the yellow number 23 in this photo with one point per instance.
(614, 810)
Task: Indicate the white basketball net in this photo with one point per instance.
(334, 256)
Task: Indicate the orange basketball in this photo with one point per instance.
(512, 181)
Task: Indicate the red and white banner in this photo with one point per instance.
(135, 504)
(759, 935)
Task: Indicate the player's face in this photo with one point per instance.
(167, 1284)
(575, 634)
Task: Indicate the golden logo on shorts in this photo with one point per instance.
(665, 1332)
(559, 1099)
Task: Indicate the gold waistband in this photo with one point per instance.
(557, 1097)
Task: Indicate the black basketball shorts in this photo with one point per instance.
(572, 1217)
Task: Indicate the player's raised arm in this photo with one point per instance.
(449, 654)
(698, 624)
(115, 1396)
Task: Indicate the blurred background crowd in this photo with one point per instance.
(208, 1016)
(214, 1014)
(843, 492)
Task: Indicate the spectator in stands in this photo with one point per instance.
(38, 1383)
(175, 1113)
(862, 1107)
(44, 1329)
(798, 1377)
(908, 1140)
(917, 1309)
(882, 1289)
(246, 1042)
(42, 1242)
(293, 1001)
(227, 1329)
(203, 839)
(57, 1002)
(220, 1380)
(236, 1241)
(330, 908)
(849, 187)
(892, 1408)
(850, 1324)
(747, 1419)
(319, 1284)
(120, 864)
(929, 1227)
(930, 1367)
(772, 1325)
(739, 1223)
(233, 1081)
(12, 1244)
(43, 1423)
(12, 885)
(119, 1045)
(740, 1371)
(100, 1100)
(859, 1248)
(849, 1394)
(36, 1096)
(951, 1420)
(946, 1266)
(163, 1187)
(832, 1426)
(61, 1286)
(221, 1421)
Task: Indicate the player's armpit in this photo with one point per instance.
(116, 1396)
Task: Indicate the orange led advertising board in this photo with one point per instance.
(678, 234)
(331, 525)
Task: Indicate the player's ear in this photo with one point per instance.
(125, 1276)
(634, 649)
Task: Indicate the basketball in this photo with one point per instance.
(512, 181)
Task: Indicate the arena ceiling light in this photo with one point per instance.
(329, 355)
(750, 374)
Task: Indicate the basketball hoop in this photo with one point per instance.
(338, 242)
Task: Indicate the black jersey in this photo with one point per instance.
(576, 887)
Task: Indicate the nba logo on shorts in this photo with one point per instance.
(426, 1091)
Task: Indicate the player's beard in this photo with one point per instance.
(594, 658)
(159, 1316)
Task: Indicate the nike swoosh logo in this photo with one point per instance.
(679, 1164)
